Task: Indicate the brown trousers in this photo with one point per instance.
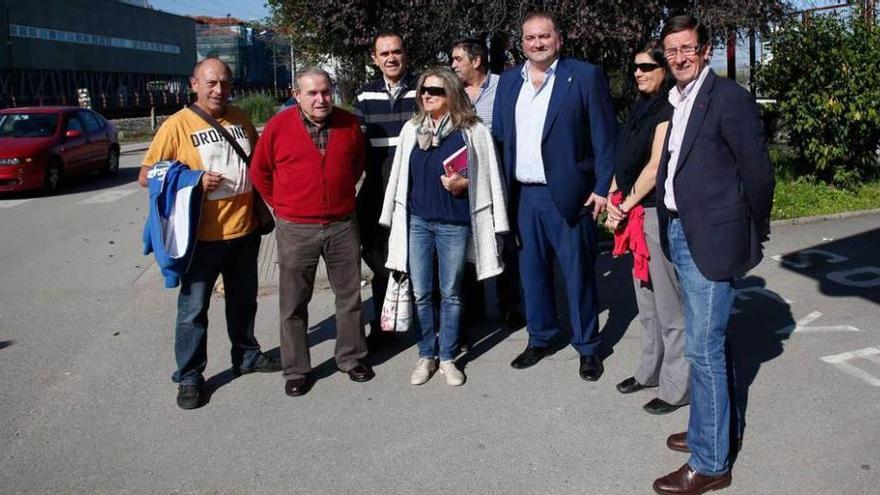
(299, 248)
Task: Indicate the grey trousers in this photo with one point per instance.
(661, 313)
(299, 248)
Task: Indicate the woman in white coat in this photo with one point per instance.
(444, 201)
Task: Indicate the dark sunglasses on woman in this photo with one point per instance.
(647, 67)
(433, 90)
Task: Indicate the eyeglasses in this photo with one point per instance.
(433, 90)
(686, 51)
(647, 67)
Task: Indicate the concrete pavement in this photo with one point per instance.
(86, 335)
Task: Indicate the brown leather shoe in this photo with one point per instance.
(686, 481)
(296, 387)
(360, 373)
(678, 442)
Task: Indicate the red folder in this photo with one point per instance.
(456, 162)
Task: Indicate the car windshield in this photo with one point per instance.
(28, 124)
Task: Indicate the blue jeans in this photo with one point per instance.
(707, 306)
(236, 260)
(449, 243)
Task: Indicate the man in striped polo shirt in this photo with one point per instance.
(383, 106)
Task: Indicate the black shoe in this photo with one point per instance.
(513, 320)
(189, 396)
(660, 406)
(296, 387)
(630, 385)
(530, 357)
(360, 373)
(591, 368)
(264, 364)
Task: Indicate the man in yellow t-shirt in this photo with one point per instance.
(227, 243)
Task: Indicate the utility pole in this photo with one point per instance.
(752, 63)
(731, 53)
(274, 64)
(292, 62)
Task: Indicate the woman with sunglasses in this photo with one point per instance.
(639, 148)
(444, 202)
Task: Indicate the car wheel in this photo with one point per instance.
(112, 162)
(54, 179)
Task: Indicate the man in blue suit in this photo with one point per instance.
(555, 123)
(715, 192)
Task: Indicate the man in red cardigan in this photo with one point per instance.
(306, 166)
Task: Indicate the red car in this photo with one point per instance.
(42, 147)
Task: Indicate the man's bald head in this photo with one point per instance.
(212, 82)
(213, 62)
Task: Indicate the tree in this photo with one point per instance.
(823, 75)
(602, 31)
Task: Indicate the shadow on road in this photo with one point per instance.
(848, 267)
(614, 282)
(227, 376)
(755, 336)
(6, 343)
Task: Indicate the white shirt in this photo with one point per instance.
(682, 101)
(531, 112)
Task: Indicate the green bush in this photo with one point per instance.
(259, 107)
(824, 75)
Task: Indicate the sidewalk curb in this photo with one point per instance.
(830, 216)
(144, 146)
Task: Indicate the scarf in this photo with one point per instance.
(429, 135)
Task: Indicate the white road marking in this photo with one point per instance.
(842, 362)
(803, 261)
(107, 196)
(845, 277)
(801, 326)
(9, 203)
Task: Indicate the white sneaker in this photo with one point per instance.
(454, 376)
(424, 369)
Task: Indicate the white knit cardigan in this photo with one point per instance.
(485, 194)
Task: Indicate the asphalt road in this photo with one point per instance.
(87, 405)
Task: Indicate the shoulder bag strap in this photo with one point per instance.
(223, 132)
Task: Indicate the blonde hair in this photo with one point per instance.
(461, 111)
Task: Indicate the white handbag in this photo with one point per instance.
(397, 308)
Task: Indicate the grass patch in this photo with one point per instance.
(799, 194)
(128, 137)
(259, 107)
(806, 198)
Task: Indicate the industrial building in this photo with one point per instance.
(124, 56)
(257, 58)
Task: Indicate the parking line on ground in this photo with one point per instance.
(107, 196)
(842, 362)
(9, 203)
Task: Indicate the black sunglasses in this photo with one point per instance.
(647, 67)
(433, 90)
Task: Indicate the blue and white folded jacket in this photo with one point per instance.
(172, 225)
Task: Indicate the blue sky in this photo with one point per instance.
(242, 9)
(256, 9)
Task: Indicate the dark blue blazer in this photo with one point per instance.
(579, 134)
(723, 181)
